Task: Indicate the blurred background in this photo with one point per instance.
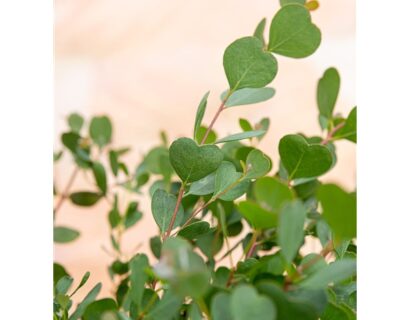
(147, 63)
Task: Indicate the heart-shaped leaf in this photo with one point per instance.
(247, 96)
(292, 33)
(303, 160)
(257, 164)
(75, 121)
(247, 304)
(162, 206)
(219, 309)
(192, 162)
(247, 65)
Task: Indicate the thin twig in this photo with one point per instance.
(64, 195)
(174, 215)
(218, 112)
(332, 132)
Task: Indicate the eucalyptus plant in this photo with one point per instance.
(214, 196)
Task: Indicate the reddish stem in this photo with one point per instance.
(64, 195)
(174, 215)
(332, 132)
(221, 107)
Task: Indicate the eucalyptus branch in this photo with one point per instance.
(218, 112)
(174, 215)
(332, 132)
(64, 194)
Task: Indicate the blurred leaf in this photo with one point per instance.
(83, 281)
(85, 198)
(154, 158)
(225, 177)
(327, 92)
(89, 298)
(210, 243)
(162, 206)
(339, 210)
(247, 65)
(257, 164)
(333, 273)
(291, 229)
(166, 309)
(259, 31)
(245, 125)
(201, 133)
(132, 215)
(193, 230)
(258, 217)
(58, 272)
(114, 216)
(65, 234)
(155, 246)
(247, 96)
(271, 193)
(97, 308)
(203, 186)
(57, 155)
(200, 113)
(75, 122)
(348, 131)
(263, 125)
(101, 130)
(247, 304)
(286, 2)
(100, 176)
(119, 267)
(241, 136)
(113, 157)
(64, 284)
(292, 33)
(182, 268)
(138, 278)
(303, 160)
(219, 307)
(192, 162)
(71, 140)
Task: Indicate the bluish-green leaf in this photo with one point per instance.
(333, 273)
(101, 130)
(257, 164)
(194, 230)
(220, 307)
(246, 303)
(248, 96)
(303, 160)
(89, 298)
(200, 113)
(247, 65)
(75, 122)
(138, 278)
(241, 136)
(271, 193)
(167, 308)
(192, 162)
(97, 309)
(65, 234)
(292, 33)
(100, 176)
(162, 206)
(291, 229)
(327, 92)
(339, 210)
(258, 217)
(203, 186)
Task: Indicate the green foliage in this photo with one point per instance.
(214, 200)
(292, 33)
(247, 65)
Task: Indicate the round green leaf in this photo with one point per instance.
(192, 162)
(162, 206)
(257, 164)
(292, 33)
(101, 130)
(75, 121)
(257, 216)
(303, 160)
(96, 309)
(272, 193)
(247, 65)
(247, 304)
(219, 307)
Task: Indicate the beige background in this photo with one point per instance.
(147, 63)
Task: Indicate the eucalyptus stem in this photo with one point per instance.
(332, 132)
(202, 305)
(174, 215)
(64, 194)
(218, 112)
